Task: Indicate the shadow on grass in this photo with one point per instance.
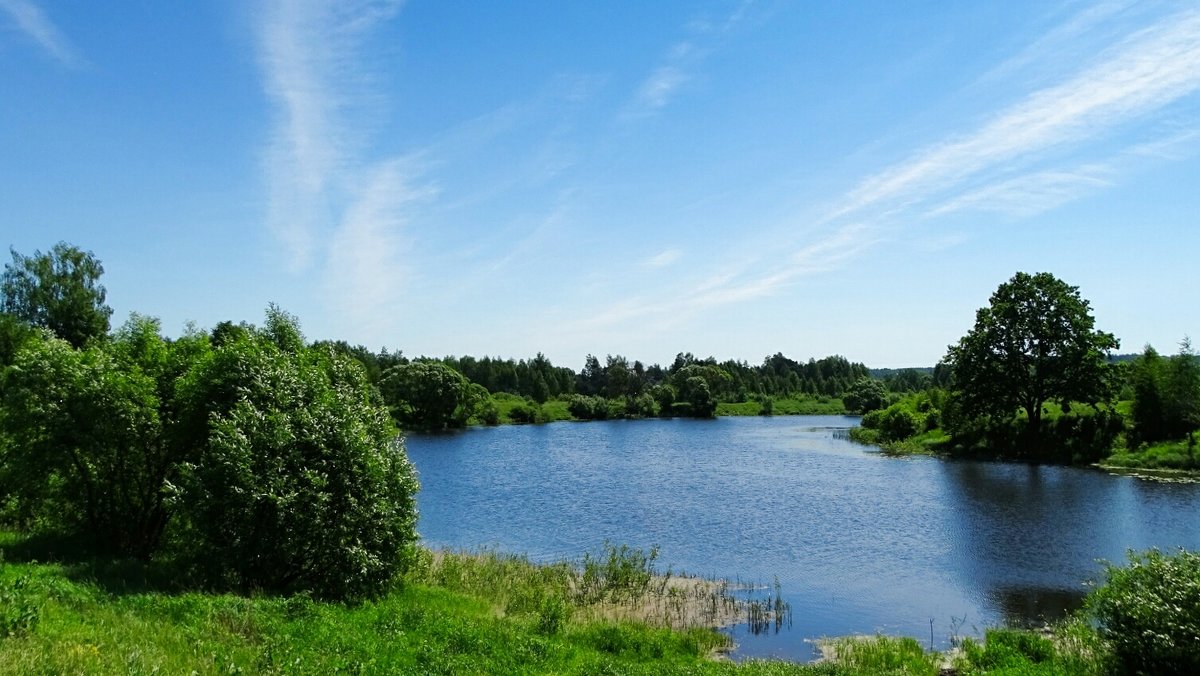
(79, 561)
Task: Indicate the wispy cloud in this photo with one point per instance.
(1030, 194)
(663, 259)
(366, 251)
(32, 21)
(676, 69)
(309, 61)
(329, 202)
(753, 279)
(1150, 69)
(1020, 161)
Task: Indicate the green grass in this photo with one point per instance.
(550, 411)
(800, 406)
(882, 655)
(1073, 651)
(455, 613)
(1164, 455)
(483, 613)
(931, 442)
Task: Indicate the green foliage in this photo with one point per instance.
(525, 413)
(1149, 613)
(586, 407)
(697, 394)
(92, 446)
(619, 572)
(429, 395)
(766, 405)
(511, 408)
(913, 414)
(865, 395)
(13, 334)
(20, 610)
(1035, 342)
(881, 655)
(1162, 455)
(1008, 649)
(1166, 395)
(301, 482)
(895, 423)
(59, 291)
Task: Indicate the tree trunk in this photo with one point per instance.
(1034, 435)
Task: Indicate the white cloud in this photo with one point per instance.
(663, 258)
(308, 53)
(1030, 194)
(675, 70)
(1150, 69)
(657, 90)
(35, 24)
(1005, 165)
(365, 270)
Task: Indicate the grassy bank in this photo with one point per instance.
(489, 613)
(452, 614)
(1178, 455)
(511, 409)
(931, 442)
(794, 406)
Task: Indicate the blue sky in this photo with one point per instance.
(640, 178)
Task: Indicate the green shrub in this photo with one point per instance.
(1149, 613)
(525, 413)
(1008, 649)
(301, 481)
(586, 407)
(553, 614)
(895, 423)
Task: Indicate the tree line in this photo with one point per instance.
(254, 459)
(244, 456)
(1034, 380)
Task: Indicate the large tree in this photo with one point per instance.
(58, 290)
(1035, 342)
(428, 395)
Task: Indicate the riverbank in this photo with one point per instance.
(452, 613)
(455, 613)
(1163, 461)
(510, 409)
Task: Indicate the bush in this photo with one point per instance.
(301, 482)
(895, 423)
(586, 407)
(91, 448)
(525, 413)
(1149, 613)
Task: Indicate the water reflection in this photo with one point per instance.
(1033, 606)
(1028, 538)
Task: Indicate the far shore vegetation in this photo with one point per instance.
(239, 500)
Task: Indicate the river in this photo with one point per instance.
(860, 542)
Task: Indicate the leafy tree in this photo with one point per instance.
(428, 395)
(300, 480)
(1035, 342)
(865, 395)
(696, 393)
(1183, 388)
(57, 290)
(89, 450)
(1148, 416)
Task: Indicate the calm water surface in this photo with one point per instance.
(860, 542)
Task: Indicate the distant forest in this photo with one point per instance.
(616, 376)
